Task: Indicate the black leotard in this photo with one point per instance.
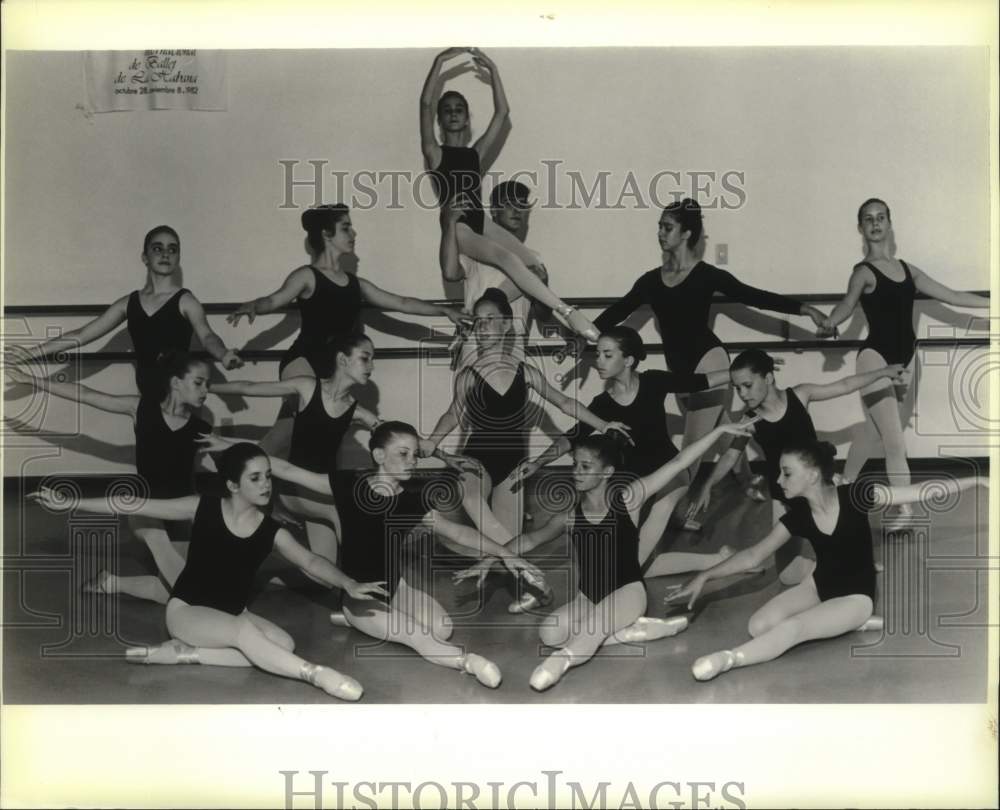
(165, 330)
(795, 425)
(459, 173)
(682, 311)
(220, 566)
(331, 311)
(499, 437)
(165, 457)
(376, 529)
(316, 436)
(607, 552)
(645, 416)
(844, 561)
(889, 309)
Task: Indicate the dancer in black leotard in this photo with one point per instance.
(840, 595)
(499, 430)
(784, 420)
(166, 434)
(325, 412)
(886, 286)
(606, 533)
(176, 315)
(457, 170)
(381, 517)
(207, 615)
(329, 300)
(680, 294)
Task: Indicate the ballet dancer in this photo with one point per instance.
(379, 518)
(160, 317)
(680, 293)
(457, 170)
(329, 300)
(605, 532)
(231, 536)
(885, 286)
(166, 444)
(839, 597)
(784, 420)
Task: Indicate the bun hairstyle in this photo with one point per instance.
(234, 459)
(497, 297)
(687, 213)
(344, 344)
(755, 360)
(818, 455)
(386, 431)
(608, 447)
(629, 343)
(319, 219)
(156, 232)
(170, 364)
(869, 201)
(450, 94)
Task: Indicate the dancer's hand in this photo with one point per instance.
(464, 464)
(449, 53)
(818, 317)
(622, 428)
(50, 499)
(231, 359)
(744, 428)
(482, 60)
(690, 590)
(522, 472)
(477, 571)
(366, 590)
(248, 309)
(426, 448)
(898, 373)
(532, 574)
(214, 443)
(17, 376)
(458, 317)
(699, 503)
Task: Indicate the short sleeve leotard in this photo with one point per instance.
(377, 529)
(845, 564)
(165, 457)
(331, 311)
(682, 310)
(459, 173)
(220, 566)
(316, 436)
(498, 436)
(152, 335)
(795, 425)
(646, 418)
(607, 552)
(889, 309)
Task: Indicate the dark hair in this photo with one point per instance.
(172, 364)
(385, 431)
(345, 345)
(155, 232)
(322, 218)
(687, 212)
(868, 202)
(818, 455)
(628, 341)
(234, 460)
(510, 192)
(451, 94)
(756, 360)
(608, 447)
(497, 297)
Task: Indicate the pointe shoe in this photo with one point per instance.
(709, 666)
(872, 624)
(548, 673)
(530, 601)
(646, 628)
(573, 319)
(168, 653)
(338, 619)
(796, 571)
(484, 670)
(332, 682)
(98, 584)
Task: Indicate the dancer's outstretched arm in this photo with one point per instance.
(814, 392)
(883, 495)
(861, 277)
(321, 570)
(520, 545)
(191, 308)
(113, 316)
(935, 289)
(568, 405)
(501, 110)
(112, 403)
(298, 282)
(428, 101)
(160, 508)
(391, 302)
(481, 545)
(303, 386)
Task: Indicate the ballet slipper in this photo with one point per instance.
(548, 673)
(332, 682)
(98, 584)
(796, 571)
(679, 522)
(871, 624)
(169, 653)
(485, 671)
(710, 666)
(646, 628)
(531, 601)
(576, 321)
(338, 619)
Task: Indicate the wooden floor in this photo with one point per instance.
(64, 647)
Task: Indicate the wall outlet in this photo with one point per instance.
(721, 254)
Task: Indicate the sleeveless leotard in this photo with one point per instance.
(844, 561)
(889, 309)
(331, 311)
(682, 311)
(498, 438)
(165, 457)
(165, 330)
(459, 172)
(607, 552)
(316, 436)
(795, 425)
(220, 566)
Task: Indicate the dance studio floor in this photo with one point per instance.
(62, 647)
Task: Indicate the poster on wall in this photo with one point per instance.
(155, 80)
